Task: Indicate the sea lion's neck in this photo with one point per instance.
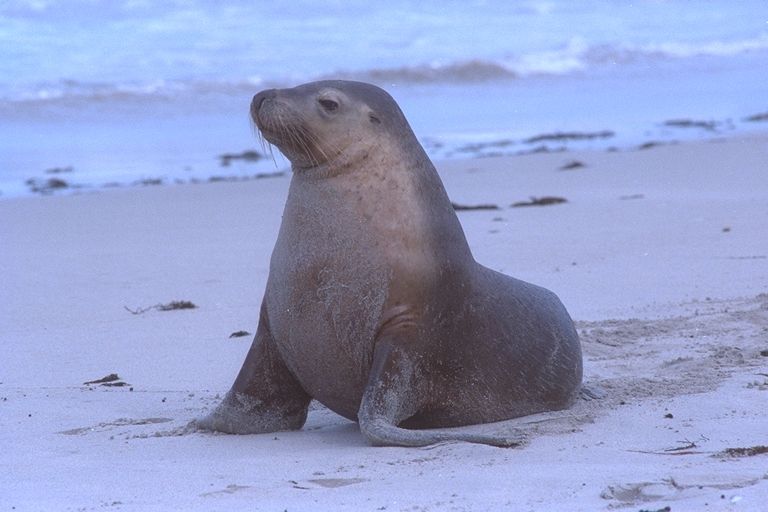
(347, 162)
(395, 191)
(403, 152)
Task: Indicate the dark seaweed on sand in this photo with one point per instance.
(46, 186)
(573, 164)
(171, 306)
(112, 377)
(690, 123)
(176, 304)
(111, 380)
(563, 136)
(757, 117)
(245, 156)
(540, 201)
(745, 452)
(465, 207)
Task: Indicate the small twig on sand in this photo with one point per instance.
(688, 446)
(686, 449)
(138, 311)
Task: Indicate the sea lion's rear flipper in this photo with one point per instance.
(395, 393)
(265, 397)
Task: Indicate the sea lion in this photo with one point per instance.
(374, 305)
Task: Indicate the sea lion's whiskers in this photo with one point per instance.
(308, 141)
(317, 144)
(266, 147)
(309, 144)
(334, 149)
(294, 134)
(286, 129)
(314, 142)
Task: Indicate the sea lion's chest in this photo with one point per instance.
(328, 285)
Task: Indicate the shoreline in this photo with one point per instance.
(254, 164)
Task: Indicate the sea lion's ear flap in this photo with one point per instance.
(374, 118)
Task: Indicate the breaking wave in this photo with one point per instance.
(575, 57)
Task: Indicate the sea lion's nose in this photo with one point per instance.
(259, 98)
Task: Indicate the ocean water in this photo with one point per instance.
(117, 92)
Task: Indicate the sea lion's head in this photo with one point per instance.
(322, 124)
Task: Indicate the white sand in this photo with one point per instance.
(668, 290)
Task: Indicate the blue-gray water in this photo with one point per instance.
(128, 90)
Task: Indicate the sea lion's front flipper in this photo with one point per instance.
(265, 397)
(395, 393)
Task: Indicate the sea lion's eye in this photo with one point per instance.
(329, 105)
(374, 119)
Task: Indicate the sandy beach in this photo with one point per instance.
(659, 254)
